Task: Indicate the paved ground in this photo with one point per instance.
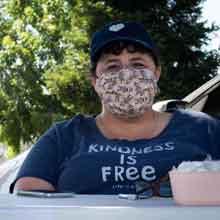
(2, 150)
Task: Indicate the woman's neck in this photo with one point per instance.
(146, 126)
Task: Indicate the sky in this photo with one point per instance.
(212, 14)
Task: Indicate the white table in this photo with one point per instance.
(100, 207)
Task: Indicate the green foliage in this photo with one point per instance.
(176, 27)
(44, 60)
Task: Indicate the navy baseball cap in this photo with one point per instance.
(130, 31)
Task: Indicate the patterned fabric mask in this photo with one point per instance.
(127, 93)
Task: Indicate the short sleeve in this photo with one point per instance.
(42, 160)
(215, 139)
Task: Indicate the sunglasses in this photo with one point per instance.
(145, 190)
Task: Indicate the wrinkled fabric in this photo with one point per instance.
(128, 92)
(74, 156)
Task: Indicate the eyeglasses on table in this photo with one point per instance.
(144, 189)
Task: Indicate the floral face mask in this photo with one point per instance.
(127, 93)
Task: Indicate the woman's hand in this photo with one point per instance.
(33, 183)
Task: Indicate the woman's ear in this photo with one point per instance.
(92, 78)
(157, 72)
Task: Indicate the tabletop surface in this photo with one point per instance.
(100, 206)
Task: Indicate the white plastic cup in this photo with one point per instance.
(195, 188)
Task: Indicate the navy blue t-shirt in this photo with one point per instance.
(74, 156)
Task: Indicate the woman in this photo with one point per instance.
(128, 141)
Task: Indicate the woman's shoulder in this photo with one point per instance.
(192, 116)
(74, 125)
(79, 120)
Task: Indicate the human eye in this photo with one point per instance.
(138, 65)
(112, 67)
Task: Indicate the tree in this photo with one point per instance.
(44, 56)
(180, 35)
(31, 44)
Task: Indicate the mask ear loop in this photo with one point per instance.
(155, 80)
(156, 87)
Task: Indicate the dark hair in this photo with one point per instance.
(117, 47)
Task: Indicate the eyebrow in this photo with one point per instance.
(137, 59)
(110, 60)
